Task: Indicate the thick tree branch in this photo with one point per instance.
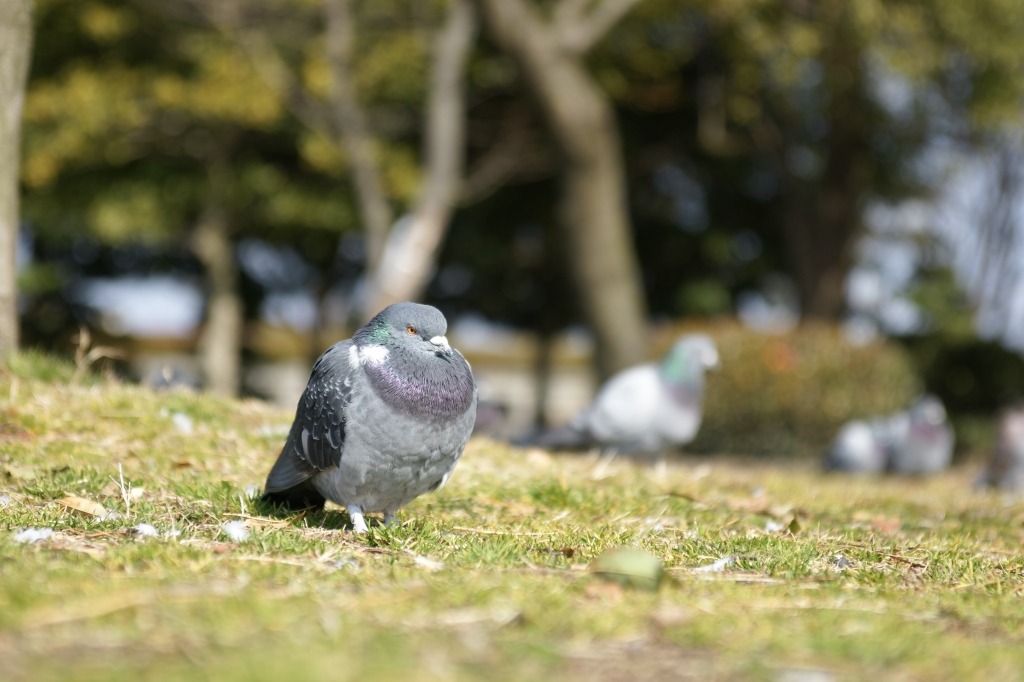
(568, 13)
(582, 34)
(374, 210)
(342, 121)
(15, 53)
(594, 212)
(411, 250)
(513, 156)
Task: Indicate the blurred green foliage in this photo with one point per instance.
(777, 113)
(703, 298)
(971, 375)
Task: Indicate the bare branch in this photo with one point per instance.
(512, 157)
(409, 257)
(569, 13)
(594, 214)
(350, 122)
(15, 55)
(583, 34)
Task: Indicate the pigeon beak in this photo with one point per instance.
(441, 342)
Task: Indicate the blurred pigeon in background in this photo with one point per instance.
(858, 449)
(383, 420)
(916, 441)
(1006, 467)
(920, 441)
(646, 408)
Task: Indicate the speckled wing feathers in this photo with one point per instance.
(321, 416)
(318, 433)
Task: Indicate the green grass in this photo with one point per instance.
(486, 579)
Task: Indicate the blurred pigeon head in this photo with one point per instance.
(928, 410)
(924, 445)
(689, 353)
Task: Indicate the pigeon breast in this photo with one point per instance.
(432, 388)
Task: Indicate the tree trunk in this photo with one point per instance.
(15, 54)
(411, 251)
(822, 219)
(350, 124)
(819, 250)
(221, 341)
(594, 212)
(822, 214)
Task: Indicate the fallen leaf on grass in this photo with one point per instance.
(886, 525)
(20, 472)
(83, 505)
(882, 524)
(260, 522)
(567, 552)
(630, 567)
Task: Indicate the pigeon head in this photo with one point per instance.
(407, 327)
(410, 365)
(928, 410)
(690, 356)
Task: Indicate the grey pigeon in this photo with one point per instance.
(920, 441)
(646, 408)
(384, 418)
(916, 441)
(858, 449)
(1006, 466)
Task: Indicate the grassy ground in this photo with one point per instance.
(868, 579)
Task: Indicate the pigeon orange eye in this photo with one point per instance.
(411, 330)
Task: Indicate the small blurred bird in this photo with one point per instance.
(916, 441)
(646, 408)
(383, 420)
(858, 449)
(1006, 466)
(920, 441)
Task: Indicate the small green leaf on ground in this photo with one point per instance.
(630, 567)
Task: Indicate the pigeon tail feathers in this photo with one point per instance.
(289, 484)
(302, 496)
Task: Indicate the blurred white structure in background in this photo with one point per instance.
(155, 306)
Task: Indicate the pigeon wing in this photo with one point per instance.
(318, 432)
